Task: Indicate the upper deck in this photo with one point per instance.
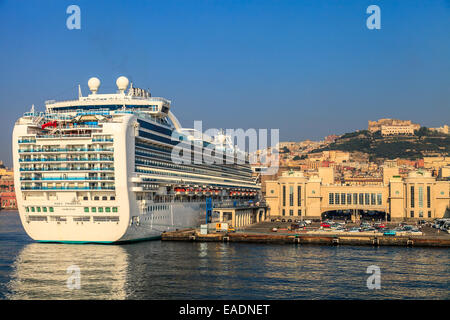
(134, 98)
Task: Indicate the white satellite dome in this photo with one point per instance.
(94, 84)
(122, 83)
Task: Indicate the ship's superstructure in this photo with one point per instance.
(100, 169)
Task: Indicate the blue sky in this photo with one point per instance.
(308, 68)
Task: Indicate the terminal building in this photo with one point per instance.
(419, 196)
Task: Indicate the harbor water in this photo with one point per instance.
(192, 270)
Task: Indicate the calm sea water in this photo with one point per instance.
(185, 270)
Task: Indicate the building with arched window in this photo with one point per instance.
(418, 196)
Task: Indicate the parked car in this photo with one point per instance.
(302, 224)
(307, 221)
(389, 232)
(294, 226)
(354, 229)
(274, 229)
(325, 225)
(445, 226)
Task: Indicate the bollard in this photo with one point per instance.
(376, 241)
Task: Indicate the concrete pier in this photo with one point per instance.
(327, 238)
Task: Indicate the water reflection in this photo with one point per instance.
(40, 272)
(176, 270)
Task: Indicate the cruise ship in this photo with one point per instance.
(100, 169)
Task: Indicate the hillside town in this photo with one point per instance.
(307, 163)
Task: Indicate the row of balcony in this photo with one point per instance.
(66, 178)
(65, 136)
(67, 169)
(102, 140)
(67, 188)
(66, 160)
(53, 136)
(67, 150)
(27, 141)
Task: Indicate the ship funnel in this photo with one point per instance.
(94, 84)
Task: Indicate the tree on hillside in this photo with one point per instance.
(296, 158)
(422, 132)
(285, 150)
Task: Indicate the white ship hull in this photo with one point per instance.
(177, 216)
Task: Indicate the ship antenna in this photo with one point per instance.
(32, 108)
(131, 89)
(79, 92)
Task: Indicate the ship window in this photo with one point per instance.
(51, 209)
(100, 209)
(44, 209)
(38, 209)
(86, 209)
(28, 209)
(107, 209)
(85, 198)
(93, 209)
(104, 198)
(96, 198)
(112, 198)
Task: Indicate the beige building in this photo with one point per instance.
(444, 129)
(375, 126)
(332, 156)
(419, 196)
(397, 130)
(435, 163)
(444, 172)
